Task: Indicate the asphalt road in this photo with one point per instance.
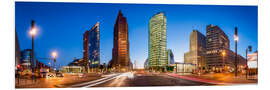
(141, 80)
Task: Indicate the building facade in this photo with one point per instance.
(184, 67)
(170, 57)
(77, 62)
(197, 49)
(219, 57)
(217, 42)
(91, 48)
(17, 51)
(120, 52)
(157, 40)
(26, 59)
(146, 64)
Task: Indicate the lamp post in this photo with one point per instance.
(54, 54)
(49, 66)
(33, 32)
(223, 55)
(235, 61)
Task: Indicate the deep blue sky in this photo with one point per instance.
(61, 27)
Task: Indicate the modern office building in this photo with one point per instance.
(197, 49)
(26, 59)
(170, 57)
(77, 62)
(146, 64)
(72, 69)
(91, 48)
(184, 67)
(17, 51)
(120, 52)
(219, 57)
(157, 48)
(217, 42)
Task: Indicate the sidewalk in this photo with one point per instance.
(55, 82)
(218, 78)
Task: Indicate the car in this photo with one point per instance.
(59, 75)
(48, 75)
(81, 75)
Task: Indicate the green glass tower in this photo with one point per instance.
(157, 48)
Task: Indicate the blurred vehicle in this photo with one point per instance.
(59, 74)
(49, 75)
(43, 74)
(81, 75)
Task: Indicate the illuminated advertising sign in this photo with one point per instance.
(252, 60)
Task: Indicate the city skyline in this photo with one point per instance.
(178, 23)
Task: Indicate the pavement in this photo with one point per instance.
(219, 78)
(55, 82)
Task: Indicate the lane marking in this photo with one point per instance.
(99, 82)
(94, 84)
(83, 84)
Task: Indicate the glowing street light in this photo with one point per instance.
(235, 61)
(235, 38)
(33, 31)
(54, 54)
(223, 55)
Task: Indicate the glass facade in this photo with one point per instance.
(184, 67)
(26, 58)
(94, 50)
(170, 57)
(157, 49)
(92, 47)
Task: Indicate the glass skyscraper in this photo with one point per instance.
(157, 49)
(91, 51)
(170, 57)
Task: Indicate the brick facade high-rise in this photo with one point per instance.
(120, 52)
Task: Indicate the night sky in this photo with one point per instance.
(61, 27)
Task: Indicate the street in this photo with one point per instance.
(130, 79)
(134, 79)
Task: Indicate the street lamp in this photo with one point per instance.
(54, 54)
(33, 32)
(49, 67)
(223, 55)
(235, 61)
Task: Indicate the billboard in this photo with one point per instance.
(253, 60)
